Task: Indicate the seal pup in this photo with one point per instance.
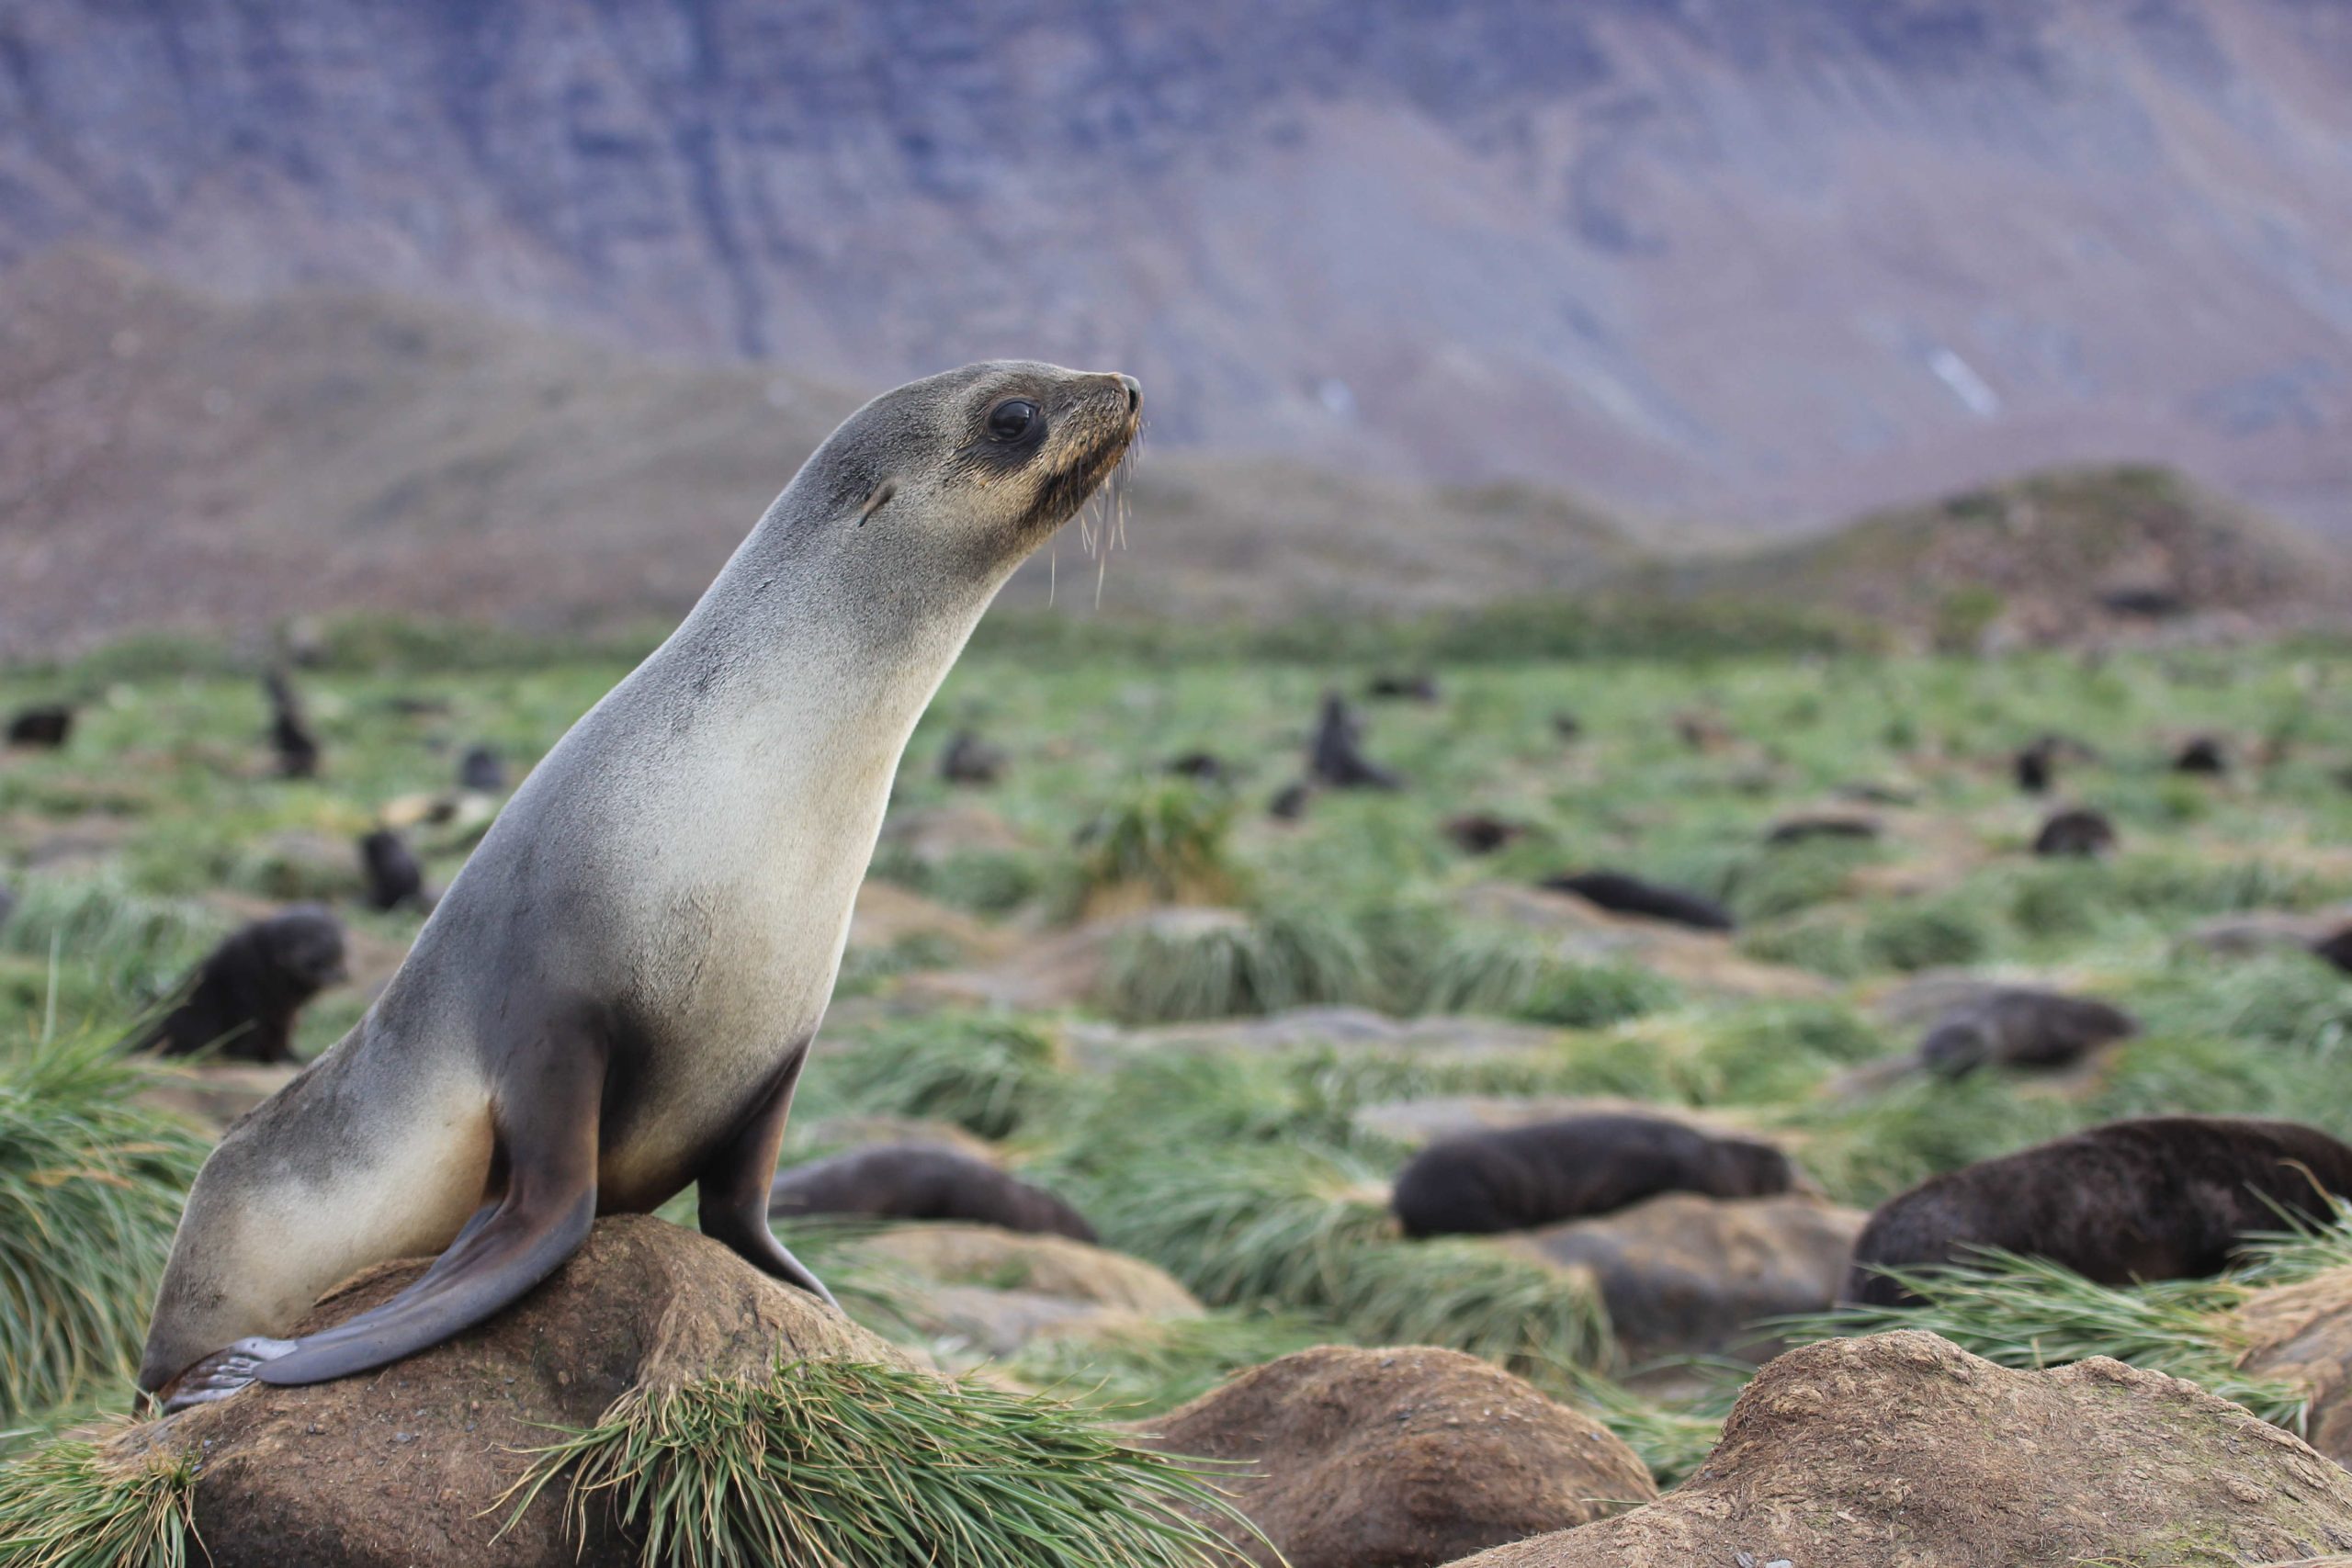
(44, 724)
(290, 735)
(2201, 754)
(2075, 832)
(1335, 757)
(615, 997)
(245, 995)
(1482, 832)
(969, 760)
(394, 879)
(922, 1181)
(2334, 948)
(481, 770)
(2154, 1198)
(2018, 1026)
(1621, 894)
(1520, 1178)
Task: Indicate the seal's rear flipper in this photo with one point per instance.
(220, 1375)
(549, 1142)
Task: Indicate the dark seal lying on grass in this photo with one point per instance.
(244, 998)
(1521, 1178)
(921, 1181)
(2156, 1198)
(615, 997)
(1621, 894)
(2017, 1026)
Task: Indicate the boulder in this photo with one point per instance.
(986, 1292)
(1048, 1265)
(2302, 1334)
(1395, 1459)
(1686, 1274)
(1902, 1451)
(406, 1465)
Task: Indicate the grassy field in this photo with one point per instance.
(1251, 1178)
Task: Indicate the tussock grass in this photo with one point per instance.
(2030, 1313)
(1151, 1369)
(67, 1504)
(986, 1074)
(133, 946)
(1282, 959)
(1673, 1436)
(839, 1464)
(1165, 841)
(90, 1189)
(1510, 975)
(1309, 1230)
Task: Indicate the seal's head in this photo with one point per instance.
(964, 474)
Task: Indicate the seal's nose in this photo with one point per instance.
(1135, 392)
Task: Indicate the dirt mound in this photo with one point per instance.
(398, 1466)
(1047, 1264)
(1902, 1451)
(887, 915)
(2303, 1335)
(1393, 1459)
(2059, 556)
(1684, 1273)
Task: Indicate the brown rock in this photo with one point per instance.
(2302, 1334)
(1902, 1451)
(1395, 1459)
(404, 1466)
(1047, 1264)
(1684, 1273)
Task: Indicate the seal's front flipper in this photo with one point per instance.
(732, 1190)
(221, 1373)
(550, 1144)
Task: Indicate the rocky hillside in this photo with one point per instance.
(1753, 260)
(173, 461)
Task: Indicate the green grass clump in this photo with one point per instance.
(2030, 1313)
(1164, 842)
(1927, 934)
(987, 1075)
(1284, 959)
(67, 1504)
(131, 946)
(1150, 1368)
(843, 1464)
(1308, 1230)
(90, 1189)
(1508, 975)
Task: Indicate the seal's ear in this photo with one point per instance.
(875, 503)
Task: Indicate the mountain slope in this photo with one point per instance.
(1759, 261)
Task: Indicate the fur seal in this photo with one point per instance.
(1482, 832)
(1520, 1178)
(2075, 832)
(922, 1181)
(1622, 895)
(2017, 1026)
(244, 997)
(2156, 1198)
(2201, 754)
(480, 769)
(44, 724)
(969, 760)
(615, 996)
(290, 735)
(394, 879)
(1336, 756)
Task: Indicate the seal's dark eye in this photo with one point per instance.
(1011, 419)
